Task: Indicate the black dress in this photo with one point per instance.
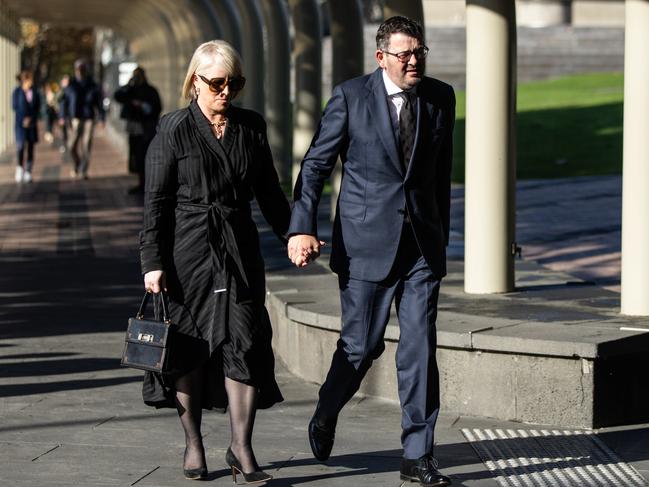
(198, 229)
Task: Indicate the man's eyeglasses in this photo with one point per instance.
(404, 56)
(217, 85)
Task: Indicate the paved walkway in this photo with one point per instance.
(70, 416)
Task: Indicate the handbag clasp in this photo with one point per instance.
(145, 337)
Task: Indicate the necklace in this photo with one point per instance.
(219, 127)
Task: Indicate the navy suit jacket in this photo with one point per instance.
(375, 193)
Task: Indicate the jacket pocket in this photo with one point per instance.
(352, 211)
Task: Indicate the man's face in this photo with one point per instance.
(405, 75)
(80, 72)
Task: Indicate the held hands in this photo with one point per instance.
(304, 249)
(154, 281)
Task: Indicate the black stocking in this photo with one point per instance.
(242, 400)
(188, 403)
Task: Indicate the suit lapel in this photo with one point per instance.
(378, 106)
(206, 134)
(231, 132)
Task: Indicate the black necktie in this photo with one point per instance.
(407, 127)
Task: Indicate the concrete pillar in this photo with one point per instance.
(346, 39)
(204, 24)
(412, 9)
(10, 82)
(635, 179)
(5, 89)
(231, 23)
(215, 28)
(278, 87)
(307, 59)
(188, 36)
(252, 51)
(348, 59)
(7, 86)
(173, 53)
(490, 159)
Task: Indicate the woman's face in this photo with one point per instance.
(207, 99)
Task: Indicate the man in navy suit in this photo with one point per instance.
(393, 130)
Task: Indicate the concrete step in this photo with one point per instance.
(553, 352)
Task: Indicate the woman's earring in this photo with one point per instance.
(197, 90)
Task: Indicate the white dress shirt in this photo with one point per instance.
(395, 100)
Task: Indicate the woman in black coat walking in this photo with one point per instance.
(26, 103)
(199, 242)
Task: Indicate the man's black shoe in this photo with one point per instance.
(321, 440)
(423, 470)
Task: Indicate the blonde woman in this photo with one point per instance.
(200, 245)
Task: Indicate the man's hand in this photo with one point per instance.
(303, 249)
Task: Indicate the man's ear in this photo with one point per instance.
(380, 58)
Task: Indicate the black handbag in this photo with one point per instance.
(148, 342)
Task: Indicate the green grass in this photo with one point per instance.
(570, 126)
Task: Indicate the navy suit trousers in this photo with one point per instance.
(365, 314)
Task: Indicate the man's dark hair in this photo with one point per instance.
(398, 25)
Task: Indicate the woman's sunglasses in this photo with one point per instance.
(217, 85)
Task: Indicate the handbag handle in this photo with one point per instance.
(145, 300)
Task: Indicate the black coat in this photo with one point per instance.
(140, 103)
(23, 109)
(198, 229)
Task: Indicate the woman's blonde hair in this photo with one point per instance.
(205, 55)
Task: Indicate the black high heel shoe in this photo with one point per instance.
(250, 478)
(199, 473)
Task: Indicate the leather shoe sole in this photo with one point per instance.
(439, 483)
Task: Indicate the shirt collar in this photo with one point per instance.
(391, 88)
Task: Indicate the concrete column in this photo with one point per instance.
(252, 51)
(231, 24)
(14, 52)
(412, 9)
(214, 29)
(307, 59)
(14, 68)
(204, 15)
(635, 179)
(175, 56)
(348, 60)
(490, 160)
(5, 70)
(278, 87)
(346, 39)
(8, 83)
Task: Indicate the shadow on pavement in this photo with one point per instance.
(15, 390)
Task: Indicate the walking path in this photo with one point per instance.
(70, 416)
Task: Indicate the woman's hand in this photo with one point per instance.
(304, 249)
(154, 281)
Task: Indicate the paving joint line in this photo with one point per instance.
(145, 475)
(48, 451)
